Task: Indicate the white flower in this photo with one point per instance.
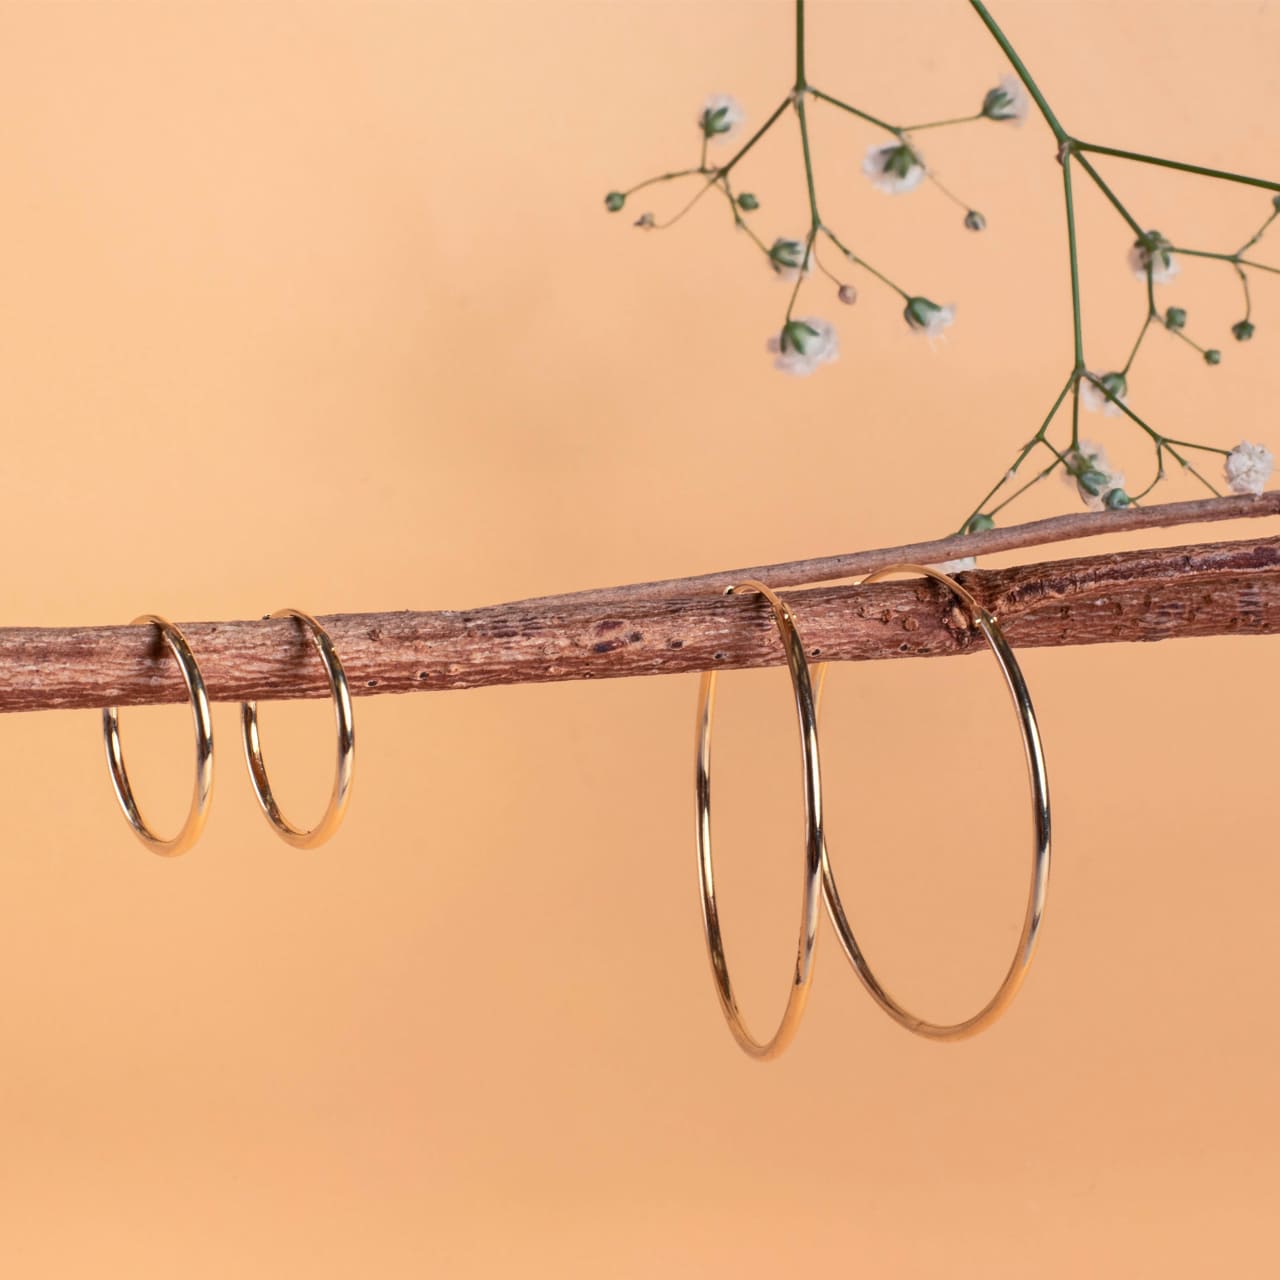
(1089, 472)
(1007, 101)
(927, 317)
(1095, 399)
(962, 565)
(721, 116)
(789, 258)
(803, 345)
(1248, 467)
(894, 167)
(1155, 251)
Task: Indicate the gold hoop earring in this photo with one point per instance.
(337, 807)
(1022, 957)
(203, 789)
(811, 904)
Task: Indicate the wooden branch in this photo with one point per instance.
(1218, 589)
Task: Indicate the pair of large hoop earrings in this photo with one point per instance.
(202, 792)
(819, 879)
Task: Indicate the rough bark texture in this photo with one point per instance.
(1216, 589)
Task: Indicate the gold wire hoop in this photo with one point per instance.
(1034, 751)
(810, 913)
(203, 789)
(341, 794)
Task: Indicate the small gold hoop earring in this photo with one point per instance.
(337, 807)
(810, 912)
(203, 789)
(1022, 957)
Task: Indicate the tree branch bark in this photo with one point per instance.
(1228, 588)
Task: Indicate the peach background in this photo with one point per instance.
(317, 304)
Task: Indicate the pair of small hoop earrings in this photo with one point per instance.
(819, 880)
(202, 793)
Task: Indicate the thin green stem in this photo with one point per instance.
(1204, 448)
(1191, 342)
(801, 272)
(1146, 325)
(662, 177)
(1036, 439)
(800, 84)
(942, 124)
(755, 137)
(862, 115)
(1139, 158)
(864, 264)
(1021, 489)
(1257, 235)
(1111, 195)
(1020, 69)
(1073, 252)
(1244, 284)
(814, 220)
(1226, 257)
(946, 191)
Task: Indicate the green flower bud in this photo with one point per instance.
(1242, 331)
(614, 201)
(1116, 500)
(1213, 356)
(975, 221)
(747, 202)
(1093, 481)
(1275, 203)
(1007, 101)
(898, 161)
(796, 336)
(919, 311)
(979, 524)
(1175, 318)
(787, 254)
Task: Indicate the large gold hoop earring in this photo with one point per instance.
(810, 912)
(1025, 950)
(341, 794)
(203, 789)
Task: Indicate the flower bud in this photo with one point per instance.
(975, 221)
(927, 317)
(797, 335)
(1275, 203)
(614, 201)
(1213, 356)
(1175, 318)
(1007, 101)
(1116, 500)
(646, 222)
(747, 202)
(1093, 481)
(720, 116)
(1242, 331)
(847, 294)
(979, 524)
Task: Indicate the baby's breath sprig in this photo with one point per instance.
(801, 344)
(1155, 260)
(897, 166)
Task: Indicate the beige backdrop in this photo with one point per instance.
(316, 304)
